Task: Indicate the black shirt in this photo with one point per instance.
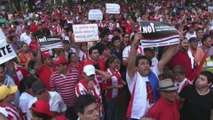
(195, 106)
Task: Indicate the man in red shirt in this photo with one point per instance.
(96, 61)
(167, 107)
(64, 81)
(185, 59)
(44, 69)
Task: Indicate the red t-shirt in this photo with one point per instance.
(182, 59)
(162, 110)
(44, 75)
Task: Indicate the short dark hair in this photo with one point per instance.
(179, 70)
(140, 57)
(38, 87)
(205, 38)
(83, 101)
(114, 38)
(209, 76)
(93, 48)
(69, 56)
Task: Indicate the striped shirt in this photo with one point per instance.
(65, 85)
(113, 81)
(11, 112)
(82, 89)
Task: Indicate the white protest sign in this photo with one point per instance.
(210, 7)
(95, 14)
(112, 8)
(6, 52)
(2, 36)
(85, 32)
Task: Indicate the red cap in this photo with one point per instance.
(60, 60)
(42, 106)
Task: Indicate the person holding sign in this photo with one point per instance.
(142, 80)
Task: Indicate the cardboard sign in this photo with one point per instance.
(85, 32)
(158, 34)
(112, 8)
(6, 52)
(95, 14)
(47, 43)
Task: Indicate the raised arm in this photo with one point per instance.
(132, 55)
(166, 57)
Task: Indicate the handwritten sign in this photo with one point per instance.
(95, 14)
(112, 8)
(85, 32)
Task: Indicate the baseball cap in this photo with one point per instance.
(89, 70)
(38, 87)
(42, 106)
(7, 90)
(60, 60)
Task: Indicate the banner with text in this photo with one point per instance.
(47, 43)
(95, 14)
(85, 32)
(158, 34)
(112, 8)
(6, 52)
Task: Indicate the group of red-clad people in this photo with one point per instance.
(127, 80)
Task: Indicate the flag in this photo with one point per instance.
(192, 76)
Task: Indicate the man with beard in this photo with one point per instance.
(198, 98)
(185, 59)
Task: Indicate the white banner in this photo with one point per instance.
(95, 14)
(6, 52)
(85, 32)
(112, 8)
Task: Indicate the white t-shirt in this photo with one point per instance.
(127, 49)
(188, 35)
(25, 38)
(24, 100)
(56, 104)
(140, 103)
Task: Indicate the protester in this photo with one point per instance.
(40, 91)
(198, 96)
(64, 81)
(142, 80)
(87, 108)
(6, 106)
(38, 27)
(41, 110)
(168, 101)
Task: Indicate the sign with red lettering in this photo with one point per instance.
(6, 52)
(158, 34)
(85, 32)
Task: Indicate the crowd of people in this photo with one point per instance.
(115, 77)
